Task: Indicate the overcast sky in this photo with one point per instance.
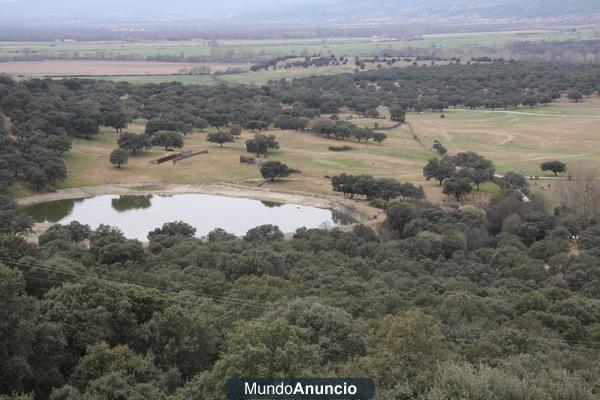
(257, 11)
(74, 7)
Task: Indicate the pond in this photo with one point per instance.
(136, 215)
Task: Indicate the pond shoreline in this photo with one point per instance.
(360, 211)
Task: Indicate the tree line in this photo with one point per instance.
(373, 188)
(457, 174)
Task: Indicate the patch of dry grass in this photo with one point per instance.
(513, 141)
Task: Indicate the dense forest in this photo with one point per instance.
(462, 303)
(499, 302)
(40, 117)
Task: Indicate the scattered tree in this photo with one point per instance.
(575, 95)
(379, 137)
(398, 113)
(438, 170)
(555, 166)
(119, 157)
(261, 144)
(220, 138)
(457, 187)
(274, 169)
(133, 143)
(167, 139)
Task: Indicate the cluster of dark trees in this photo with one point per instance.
(373, 188)
(491, 85)
(261, 144)
(132, 143)
(314, 60)
(337, 129)
(43, 118)
(31, 143)
(464, 303)
(319, 60)
(457, 174)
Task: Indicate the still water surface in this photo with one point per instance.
(137, 215)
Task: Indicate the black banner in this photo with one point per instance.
(300, 389)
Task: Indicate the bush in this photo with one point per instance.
(340, 148)
(119, 157)
(264, 233)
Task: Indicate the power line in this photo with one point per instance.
(233, 301)
(462, 337)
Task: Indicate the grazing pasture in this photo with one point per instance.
(517, 140)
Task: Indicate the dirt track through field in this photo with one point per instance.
(529, 113)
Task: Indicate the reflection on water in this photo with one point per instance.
(341, 218)
(53, 211)
(137, 215)
(131, 202)
(271, 204)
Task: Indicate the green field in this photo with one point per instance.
(256, 78)
(340, 46)
(142, 79)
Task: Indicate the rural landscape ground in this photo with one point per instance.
(151, 61)
(196, 194)
(516, 140)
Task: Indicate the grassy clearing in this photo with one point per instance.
(519, 142)
(490, 188)
(513, 144)
(88, 162)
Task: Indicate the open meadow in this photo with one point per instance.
(515, 140)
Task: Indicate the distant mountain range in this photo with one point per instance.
(295, 11)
